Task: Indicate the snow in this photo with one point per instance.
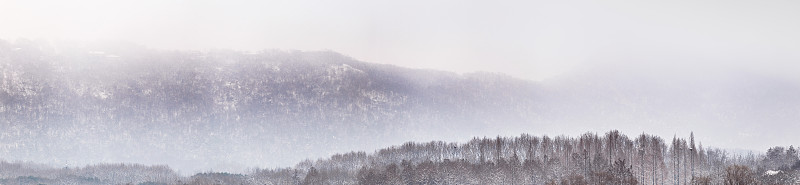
(772, 172)
(101, 94)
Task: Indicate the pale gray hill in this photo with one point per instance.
(229, 110)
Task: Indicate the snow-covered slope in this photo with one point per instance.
(229, 110)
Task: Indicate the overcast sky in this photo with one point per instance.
(526, 39)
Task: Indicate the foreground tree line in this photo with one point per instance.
(611, 158)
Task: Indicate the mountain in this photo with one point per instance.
(228, 110)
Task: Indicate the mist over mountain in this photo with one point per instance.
(229, 110)
(76, 104)
(734, 107)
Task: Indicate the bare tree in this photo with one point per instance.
(739, 175)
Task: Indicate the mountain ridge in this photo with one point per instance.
(316, 100)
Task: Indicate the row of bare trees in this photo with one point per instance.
(611, 158)
(645, 159)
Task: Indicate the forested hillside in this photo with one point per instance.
(610, 158)
(85, 104)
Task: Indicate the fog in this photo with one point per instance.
(526, 39)
(727, 70)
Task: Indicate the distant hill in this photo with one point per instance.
(79, 104)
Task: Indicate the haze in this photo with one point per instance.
(543, 41)
(526, 39)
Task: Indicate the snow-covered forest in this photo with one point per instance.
(610, 158)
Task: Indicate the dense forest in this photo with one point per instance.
(610, 158)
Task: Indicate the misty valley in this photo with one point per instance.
(120, 113)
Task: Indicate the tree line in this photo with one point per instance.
(610, 158)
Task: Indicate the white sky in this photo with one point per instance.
(526, 39)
